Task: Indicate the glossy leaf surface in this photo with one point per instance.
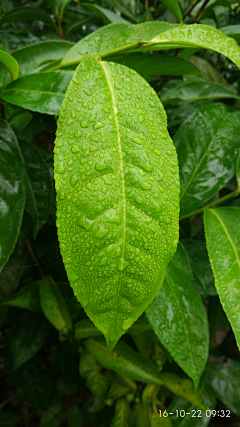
(232, 31)
(39, 186)
(222, 228)
(196, 91)
(97, 380)
(122, 414)
(12, 191)
(53, 304)
(28, 336)
(27, 297)
(20, 121)
(179, 319)
(224, 379)
(43, 92)
(173, 5)
(124, 360)
(10, 63)
(118, 195)
(207, 142)
(107, 15)
(203, 279)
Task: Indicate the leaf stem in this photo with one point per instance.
(199, 11)
(210, 205)
(34, 258)
(190, 10)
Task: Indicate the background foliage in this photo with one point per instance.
(55, 368)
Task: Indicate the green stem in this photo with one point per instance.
(216, 202)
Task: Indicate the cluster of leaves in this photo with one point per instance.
(181, 353)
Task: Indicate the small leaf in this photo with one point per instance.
(203, 279)
(179, 319)
(173, 5)
(97, 378)
(126, 185)
(195, 91)
(39, 186)
(141, 415)
(106, 15)
(124, 360)
(232, 31)
(85, 329)
(122, 414)
(27, 14)
(12, 191)
(222, 227)
(20, 121)
(207, 142)
(9, 419)
(224, 379)
(27, 336)
(118, 388)
(53, 305)
(10, 63)
(28, 298)
(43, 92)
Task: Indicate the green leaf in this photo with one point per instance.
(207, 142)
(203, 279)
(112, 37)
(211, 73)
(28, 298)
(85, 329)
(118, 388)
(141, 415)
(224, 379)
(157, 421)
(124, 360)
(27, 336)
(238, 171)
(43, 92)
(218, 323)
(232, 31)
(175, 8)
(10, 63)
(154, 64)
(12, 191)
(53, 304)
(75, 418)
(27, 14)
(119, 206)
(179, 318)
(122, 414)
(9, 419)
(97, 378)
(222, 234)
(39, 186)
(196, 91)
(103, 13)
(20, 121)
(144, 343)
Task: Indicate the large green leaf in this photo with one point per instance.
(97, 379)
(173, 5)
(12, 191)
(43, 92)
(27, 14)
(196, 91)
(207, 144)
(122, 414)
(222, 227)
(39, 186)
(117, 196)
(179, 318)
(31, 56)
(224, 379)
(10, 63)
(107, 15)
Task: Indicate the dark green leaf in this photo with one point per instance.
(207, 142)
(144, 343)
(122, 414)
(39, 186)
(179, 319)
(232, 31)
(10, 63)
(28, 297)
(224, 378)
(238, 171)
(27, 337)
(97, 378)
(141, 415)
(55, 415)
(105, 14)
(118, 388)
(154, 64)
(121, 216)
(9, 419)
(173, 5)
(211, 73)
(124, 361)
(43, 92)
(27, 14)
(218, 323)
(203, 279)
(20, 121)
(222, 227)
(196, 91)
(85, 329)
(53, 305)
(75, 418)
(12, 191)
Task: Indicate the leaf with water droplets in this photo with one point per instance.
(222, 227)
(118, 224)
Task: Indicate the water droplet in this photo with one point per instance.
(100, 197)
(84, 222)
(127, 323)
(74, 180)
(58, 143)
(146, 186)
(69, 122)
(139, 200)
(60, 169)
(84, 124)
(78, 134)
(75, 149)
(122, 264)
(147, 167)
(137, 140)
(100, 166)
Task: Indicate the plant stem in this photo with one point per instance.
(200, 11)
(34, 258)
(216, 202)
(60, 28)
(190, 10)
